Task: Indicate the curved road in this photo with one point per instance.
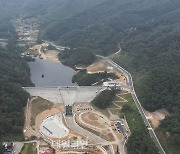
(128, 76)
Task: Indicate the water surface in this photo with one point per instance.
(46, 73)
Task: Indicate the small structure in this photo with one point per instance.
(53, 126)
(112, 84)
(9, 147)
(120, 127)
(69, 110)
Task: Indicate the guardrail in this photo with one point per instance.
(138, 104)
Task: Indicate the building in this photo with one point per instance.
(112, 84)
(69, 110)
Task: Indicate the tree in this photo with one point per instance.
(104, 99)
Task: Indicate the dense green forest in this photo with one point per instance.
(104, 99)
(14, 73)
(82, 78)
(78, 56)
(151, 53)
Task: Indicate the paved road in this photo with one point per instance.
(129, 81)
(56, 46)
(75, 127)
(17, 147)
(118, 50)
(99, 141)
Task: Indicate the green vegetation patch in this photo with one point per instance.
(14, 74)
(140, 141)
(72, 57)
(166, 141)
(29, 149)
(39, 105)
(104, 99)
(168, 133)
(82, 78)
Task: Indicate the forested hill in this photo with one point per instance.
(56, 10)
(14, 73)
(149, 34)
(101, 27)
(151, 53)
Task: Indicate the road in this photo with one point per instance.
(70, 121)
(118, 50)
(56, 46)
(129, 81)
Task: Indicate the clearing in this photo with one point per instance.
(97, 67)
(101, 66)
(156, 117)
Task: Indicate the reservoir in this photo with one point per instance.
(46, 73)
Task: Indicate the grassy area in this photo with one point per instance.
(140, 140)
(118, 100)
(133, 117)
(39, 105)
(29, 149)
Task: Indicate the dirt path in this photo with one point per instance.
(28, 131)
(118, 107)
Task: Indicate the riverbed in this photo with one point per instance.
(46, 73)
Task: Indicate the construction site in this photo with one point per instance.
(65, 119)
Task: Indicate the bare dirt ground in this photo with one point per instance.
(110, 137)
(97, 67)
(36, 47)
(115, 146)
(156, 117)
(102, 67)
(51, 55)
(94, 120)
(97, 123)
